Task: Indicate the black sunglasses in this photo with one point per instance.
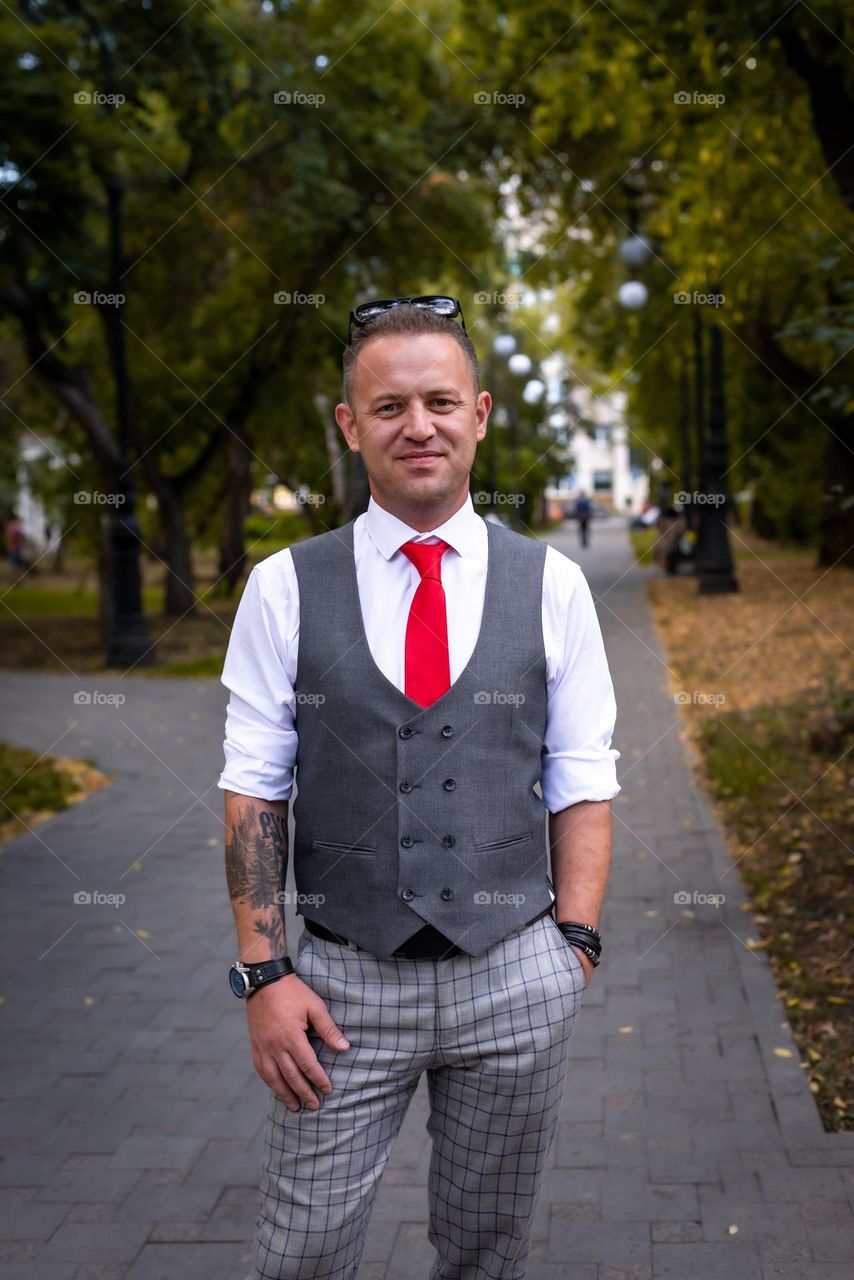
(440, 303)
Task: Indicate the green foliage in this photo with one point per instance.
(29, 783)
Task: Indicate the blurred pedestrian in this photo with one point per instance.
(583, 514)
(14, 534)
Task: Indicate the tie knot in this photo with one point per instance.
(427, 557)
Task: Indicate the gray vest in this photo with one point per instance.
(408, 815)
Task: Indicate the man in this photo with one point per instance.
(583, 512)
(438, 682)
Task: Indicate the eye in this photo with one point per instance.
(390, 405)
(442, 400)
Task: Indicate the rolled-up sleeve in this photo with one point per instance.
(260, 666)
(578, 761)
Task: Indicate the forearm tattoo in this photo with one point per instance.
(256, 864)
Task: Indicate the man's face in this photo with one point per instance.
(415, 419)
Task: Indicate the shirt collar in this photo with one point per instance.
(388, 533)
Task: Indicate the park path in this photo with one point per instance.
(131, 1114)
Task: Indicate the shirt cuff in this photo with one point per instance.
(250, 777)
(566, 779)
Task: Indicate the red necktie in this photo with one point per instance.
(427, 673)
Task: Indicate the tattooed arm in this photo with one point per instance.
(279, 1014)
(256, 863)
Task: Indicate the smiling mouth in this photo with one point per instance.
(415, 457)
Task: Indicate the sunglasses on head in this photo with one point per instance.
(441, 304)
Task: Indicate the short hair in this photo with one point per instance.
(405, 319)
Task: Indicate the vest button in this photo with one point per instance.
(450, 841)
(447, 894)
(406, 731)
(406, 787)
(449, 784)
(407, 842)
(447, 732)
(407, 895)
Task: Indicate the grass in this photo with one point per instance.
(35, 787)
(773, 733)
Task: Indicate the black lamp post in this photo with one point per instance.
(129, 641)
(714, 554)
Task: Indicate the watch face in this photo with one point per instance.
(237, 982)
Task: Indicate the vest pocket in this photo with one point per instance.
(506, 843)
(337, 847)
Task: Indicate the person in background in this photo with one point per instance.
(583, 513)
(14, 533)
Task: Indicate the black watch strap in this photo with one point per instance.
(254, 976)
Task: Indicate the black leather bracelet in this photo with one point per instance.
(585, 937)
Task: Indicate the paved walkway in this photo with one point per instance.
(131, 1113)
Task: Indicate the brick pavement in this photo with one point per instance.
(131, 1114)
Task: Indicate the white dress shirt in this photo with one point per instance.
(261, 662)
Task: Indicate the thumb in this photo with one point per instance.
(328, 1031)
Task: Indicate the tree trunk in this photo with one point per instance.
(235, 508)
(180, 594)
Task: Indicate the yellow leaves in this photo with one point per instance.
(783, 1053)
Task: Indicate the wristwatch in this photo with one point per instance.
(244, 979)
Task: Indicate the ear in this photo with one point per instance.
(347, 423)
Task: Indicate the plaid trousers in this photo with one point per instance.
(492, 1032)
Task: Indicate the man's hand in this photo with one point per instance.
(586, 964)
(279, 1015)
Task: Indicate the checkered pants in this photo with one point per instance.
(492, 1033)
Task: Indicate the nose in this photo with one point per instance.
(418, 426)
